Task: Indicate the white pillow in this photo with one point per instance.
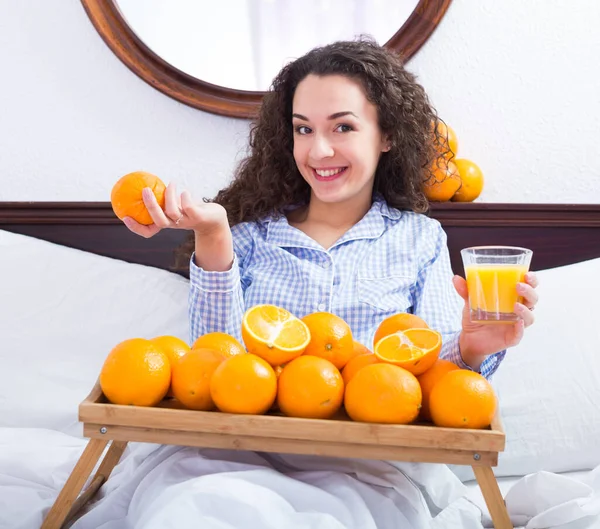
(549, 385)
(61, 312)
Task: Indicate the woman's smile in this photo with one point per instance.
(328, 174)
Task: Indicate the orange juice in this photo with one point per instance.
(493, 290)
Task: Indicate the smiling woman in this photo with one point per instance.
(223, 60)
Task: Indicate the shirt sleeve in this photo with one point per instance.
(451, 351)
(438, 303)
(216, 299)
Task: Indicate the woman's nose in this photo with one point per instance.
(320, 148)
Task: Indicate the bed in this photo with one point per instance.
(75, 282)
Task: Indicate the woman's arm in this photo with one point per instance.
(216, 297)
(216, 300)
(438, 303)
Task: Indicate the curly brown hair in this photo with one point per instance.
(268, 181)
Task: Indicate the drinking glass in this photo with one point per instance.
(492, 274)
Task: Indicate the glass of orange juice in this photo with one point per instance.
(492, 274)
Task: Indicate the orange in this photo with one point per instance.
(278, 370)
(416, 350)
(443, 181)
(310, 387)
(330, 338)
(429, 379)
(244, 384)
(219, 341)
(358, 362)
(360, 349)
(383, 393)
(136, 372)
(462, 399)
(398, 322)
(274, 334)
(472, 181)
(126, 196)
(173, 347)
(190, 378)
(448, 141)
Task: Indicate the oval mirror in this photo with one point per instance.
(222, 59)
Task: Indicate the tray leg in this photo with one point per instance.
(59, 511)
(493, 497)
(66, 504)
(109, 462)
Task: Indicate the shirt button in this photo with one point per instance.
(326, 264)
(321, 307)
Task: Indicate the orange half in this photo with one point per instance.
(274, 334)
(416, 350)
(398, 322)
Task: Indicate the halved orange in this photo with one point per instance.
(416, 350)
(274, 334)
(398, 322)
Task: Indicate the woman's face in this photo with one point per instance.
(337, 140)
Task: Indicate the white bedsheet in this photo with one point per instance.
(173, 487)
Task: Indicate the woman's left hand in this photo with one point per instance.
(479, 340)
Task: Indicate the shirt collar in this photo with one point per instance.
(371, 226)
(385, 209)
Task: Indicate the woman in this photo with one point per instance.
(326, 212)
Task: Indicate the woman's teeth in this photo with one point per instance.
(329, 172)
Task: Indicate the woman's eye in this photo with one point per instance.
(344, 128)
(302, 129)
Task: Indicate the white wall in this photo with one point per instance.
(518, 81)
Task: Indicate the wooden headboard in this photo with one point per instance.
(558, 234)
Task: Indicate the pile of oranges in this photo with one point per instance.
(452, 179)
(307, 367)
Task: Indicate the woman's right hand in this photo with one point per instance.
(180, 213)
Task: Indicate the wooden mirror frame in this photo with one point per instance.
(111, 25)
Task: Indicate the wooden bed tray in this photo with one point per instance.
(167, 423)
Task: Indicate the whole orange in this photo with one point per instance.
(278, 370)
(173, 347)
(310, 387)
(330, 338)
(358, 362)
(244, 383)
(462, 399)
(429, 379)
(448, 142)
(136, 372)
(398, 322)
(442, 182)
(219, 341)
(472, 181)
(360, 349)
(126, 195)
(191, 375)
(383, 393)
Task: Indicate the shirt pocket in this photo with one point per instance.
(390, 294)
